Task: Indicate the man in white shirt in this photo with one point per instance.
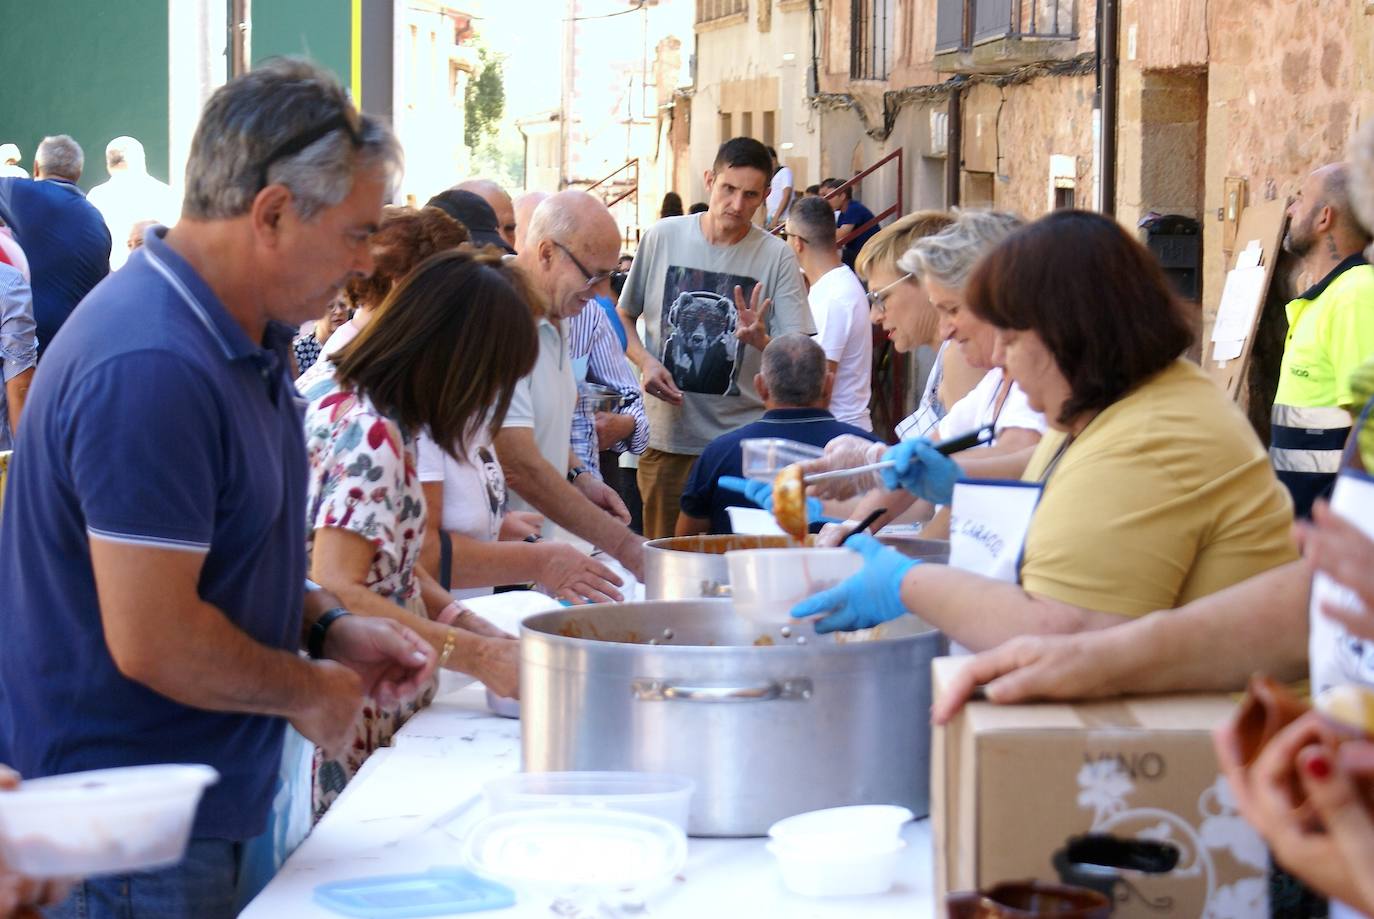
(571, 247)
(130, 195)
(839, 306)
(780, 191)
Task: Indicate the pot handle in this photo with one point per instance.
(671, 691)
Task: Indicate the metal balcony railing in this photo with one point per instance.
(962, 24)
(608, 188)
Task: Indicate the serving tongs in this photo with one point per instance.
(958, 444)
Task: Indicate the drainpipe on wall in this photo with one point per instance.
(954, 146)
(1108, 88)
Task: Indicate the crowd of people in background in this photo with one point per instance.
(495, 394)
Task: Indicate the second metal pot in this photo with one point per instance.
(691, 567)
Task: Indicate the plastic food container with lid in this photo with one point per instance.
(667, 797)
(576, 848)
(764, 457)
(109, 821)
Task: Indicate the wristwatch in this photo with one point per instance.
(315, 643)
(576, 471)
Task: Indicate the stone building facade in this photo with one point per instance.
(1211, 94)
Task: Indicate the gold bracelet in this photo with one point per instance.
(450, 642)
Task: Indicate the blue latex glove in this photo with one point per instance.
(869, 598)
(761, 493)
(922, 470)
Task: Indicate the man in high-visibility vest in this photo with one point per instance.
(1330, 333)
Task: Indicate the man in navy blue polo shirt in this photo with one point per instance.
(850, 215)
(62, 233)
(152, 549)
(794, 384)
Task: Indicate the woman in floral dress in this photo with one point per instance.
(442, 354)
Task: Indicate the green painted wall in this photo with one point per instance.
(317, 29)
(91, 70)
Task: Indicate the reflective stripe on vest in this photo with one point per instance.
(1308, 439)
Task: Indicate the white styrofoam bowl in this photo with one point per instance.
(856, 827)
(813, 872)
(108, 821)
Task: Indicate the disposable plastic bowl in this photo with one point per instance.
(766, 583)
(764, 457)
(856, 828)
(104, 822)
(813, 873)
(653, 794)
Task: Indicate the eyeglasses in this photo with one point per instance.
(877, 299)
(345, 121)
(591, 279)
(786, 236)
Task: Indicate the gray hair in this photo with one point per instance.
(252, 117)
(949, 256)
(59, 156)
(557, 217)
(794, 370)
(815, 220)
(1338, 193)
(125, 151)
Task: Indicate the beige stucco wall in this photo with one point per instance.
(741, 69)
(1015, 131)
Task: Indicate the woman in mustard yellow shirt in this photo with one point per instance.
(1150, 489)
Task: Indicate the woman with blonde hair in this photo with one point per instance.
(941, 265)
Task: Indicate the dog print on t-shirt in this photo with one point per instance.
(699, 319)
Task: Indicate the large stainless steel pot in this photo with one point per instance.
(689, 567)
(766, 731)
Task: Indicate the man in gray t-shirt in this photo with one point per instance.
(713, 290)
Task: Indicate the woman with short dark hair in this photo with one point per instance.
(1149, 491)
(442, 355)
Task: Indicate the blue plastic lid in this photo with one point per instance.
(438, 892)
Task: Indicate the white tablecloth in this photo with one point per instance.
(410, 806)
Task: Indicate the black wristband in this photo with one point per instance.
(576, 471)
(315, 644)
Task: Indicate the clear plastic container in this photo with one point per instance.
(667, 797)
(576, 848)
(764, 457)
(766, 583)
(109, 821)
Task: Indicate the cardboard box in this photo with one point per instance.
(1010, 785)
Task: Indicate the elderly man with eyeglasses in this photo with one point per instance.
(153, 552)
(571, 247)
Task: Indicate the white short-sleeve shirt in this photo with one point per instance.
(544, 401)
(839, 307)
(979, 408)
